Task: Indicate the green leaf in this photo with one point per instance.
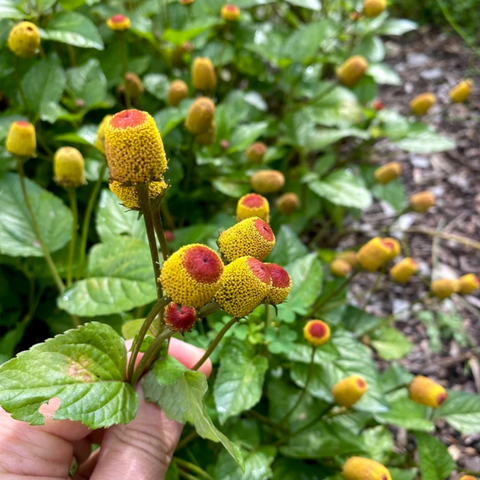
(391, 344)
(395, 376)
(245, 135)
(395, 26)
(290, 469)
(8, 9)
(239, 382)
(168, 118)
(157, 85)
(371, 48)
(131, 328)
(383, 74)
(73, 28)
(231, 188)
(310, 4)
(17, 237)
(403, 474)
(344, 188)
(179, 392)
(257, 465)
(425, 142)
(358, 321)
(85, 368)
(88, 82)
(435, 461)
(462, 411)
(288, 247)
(191, 30)
(393, 193)
(379, 443)
(219, 53)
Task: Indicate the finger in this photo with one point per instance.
(189, 355)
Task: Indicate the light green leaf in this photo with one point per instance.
(8, 9)
(395, 26)
(435, 461)
(394, 377)
(462, 411)
(131, 328)
(425, 142)
(257, 465)
(17, 237)
(88, 82)
(393, 193)
(168, 118)
(245, 135)
(403, 474)
(219, 53)
(383, 74)
(231, 188)
(85, 135)
(371, 48)
(85, 368)
(391, 344)
(358, 321)
(310, 4)
(157, 85)
(288, 247)
(191, 30)
(379, 443)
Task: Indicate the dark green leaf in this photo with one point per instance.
(435, 461)
(257, 465)
(288, 247)
(462, 411)
(88, 82)
(157, 85)
(391, 344)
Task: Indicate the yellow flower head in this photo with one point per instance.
(386, 173)
(373, 8)
(177, 92)
(358, 468)
(403, 270)
(21, 139)
(253, 205)
(348, 256)
(244, 285)
(281, 284)
(134, 148)
(69, 167)
(316, 332)
(200, 116)
(251, 237)
(422, 103)
(179, 318)
(203, 74)
(375, 253)
(461, 92)
(444, 287)
(422, 201)
(352, 71)
(287, 203)
(119, 23)
(129, 195)
(230, 13)
(340, 268)
(24, 40)
(467, 477)
(468, 283)
(208, 137)
(349, 391)
(267, 181)
(100, 138)
(255, 152)
(427, 392)
(192, 275)
(394, 246)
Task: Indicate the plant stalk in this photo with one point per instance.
(123, 47)
(158, 226)
(72, 194)
(19, 86)
(194, 468)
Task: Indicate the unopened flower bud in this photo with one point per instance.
(316, 332)
(200, 116)
(388, 172)
(468, 283)
(348, 256)
(100, 138)
(267, 181)
(340, 268)
(281, 284)
(191, 276)
(287, 203)
(403, 270)
(352, 71)
(69, 167)
(373, 8)
(461, 92)
(180, 52)
(118, 23)
(349, 391)
(24, 40)
(244, 285)
(169, 236)
(253, 205)
(134, 85)
(179, 319)
(129, 195)
(230, 13)
(21, 139)
(186, 2)
(359, 468)
(394, 248)
(354, 16)
(256, 152)
(444, 287)
(374, 254)
(224, 144)
(206, 138)
(203, 74)
(422, 103)
(177, 92)
(468, 477)
(378, 105)
(251, 237)
(427, 392)
(422, 201)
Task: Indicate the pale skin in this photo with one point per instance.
(142, 449)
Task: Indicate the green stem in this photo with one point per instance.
(186, 440)
(19, 86)
(215, 342)
(158, 226)
(186, 475)
(86, 220)
(267, 421)
(36, 228)
(208, 309)
(194, 468)
(123, 47)
(266, 316)
(372, 291)
(72, 194)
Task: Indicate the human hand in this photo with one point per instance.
(142, 449)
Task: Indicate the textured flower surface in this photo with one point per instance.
(100, 138)
(24, 40)
(352, 71)
(69, 167)
(255, 152)
(340, 268)
(375, 253)
(253, 205)
(281, 284)
(129, 195)
(349, 391)
(287, 203)
(426, 392)
(403, 270)
(118, 23)
(230, 13)
(21, 139)
(177, 92)
(203, 74)
(267, 181)
(444, 287)
(179, 318)
(316, 332)
(359, 468)
(200, 116)
(422, 201)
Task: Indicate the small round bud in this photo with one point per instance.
(386, 173)
(230, 13)
(403, 270)
(255, 152)
(118, 23)
(203, 74)
(186, 2)
(169, 235)
(394, 247)
(134, 85)
(191, 276)
(349, 391)
(373, 8)
(352, 71)
(468, 283)
(129, 195)
(177, 92)
(179, 319)
(251, 237)
(21, 139)
(224, 144)
(358, 468)
(316, 332)
(200, 116)
(375, 253)
(461, 92)
(180, 52)
(134, 148)
(253, 205)
(422, 201)
(427, 392)
(287, 203)
(206, 138)
(340, 268)
(100, 138)
(444, 287)
(422, 103)
(267, 181)
(378, 105)
(348, 256)
(24, 40)
(354, 16)
(69, 167)
(281, 284)
(244, 285)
